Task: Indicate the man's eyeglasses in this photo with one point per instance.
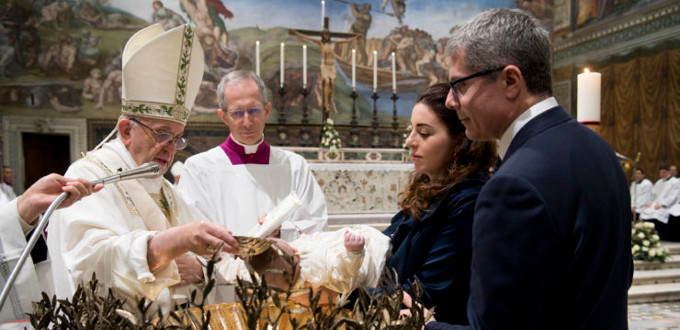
(162, 138)
(238, 114)
(453, 83)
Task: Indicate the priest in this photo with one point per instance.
(244, 177)
(237, 182)
(136, 235)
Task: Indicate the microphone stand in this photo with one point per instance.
(151, 169)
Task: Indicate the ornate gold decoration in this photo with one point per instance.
(251, 246)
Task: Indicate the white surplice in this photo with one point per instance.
(8, 191)
(640, 194)
(666, 193)
(107, 232)
(12, 244)
(235, 195)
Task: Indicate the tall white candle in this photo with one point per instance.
(354, 69)
(394, 75)
(257, 57)
(304, 66)
(282, 73)
(588, 97)
(375, 71)
(323, 11)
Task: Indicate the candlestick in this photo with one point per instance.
(588, 97)
(394, 74)
(354, 69)
(375, 71)
(304, 66)
(282, 73)
(323, 11)
(257, 57)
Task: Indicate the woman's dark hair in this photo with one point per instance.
(469, 157)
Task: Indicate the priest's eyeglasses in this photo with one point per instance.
(454, 83)
(162, 138)
(238, 114)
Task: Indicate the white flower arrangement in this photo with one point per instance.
(645, 243)
(330, 139)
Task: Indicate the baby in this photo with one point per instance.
(338, 261)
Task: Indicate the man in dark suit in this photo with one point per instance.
(551, 231)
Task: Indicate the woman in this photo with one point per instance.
(431, 235)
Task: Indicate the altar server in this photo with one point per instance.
(135, 234)
(665, 194)
(235, 182)
(640, 191)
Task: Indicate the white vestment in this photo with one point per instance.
(666, 193)
(640, 194)
(12, 244)
(107, 232)
(235, 195)
(8, 191)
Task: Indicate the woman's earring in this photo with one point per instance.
(452, 165)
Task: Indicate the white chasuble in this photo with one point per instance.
(107, 232)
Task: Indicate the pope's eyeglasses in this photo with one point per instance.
(239, 114)
(162, 138)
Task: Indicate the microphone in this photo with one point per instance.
(146, 170)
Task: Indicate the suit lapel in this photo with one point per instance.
(542, 122)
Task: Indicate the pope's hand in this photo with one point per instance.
(190, 270)
(201, 237)
(204, 237)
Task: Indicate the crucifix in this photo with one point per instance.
(328, 71)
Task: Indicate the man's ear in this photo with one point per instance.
(267, 110)
(513, 80)
(125, 131)
(223, 116)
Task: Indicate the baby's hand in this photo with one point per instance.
(354, 242)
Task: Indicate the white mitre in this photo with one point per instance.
(162, 72)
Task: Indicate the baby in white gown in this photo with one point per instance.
(339, 261)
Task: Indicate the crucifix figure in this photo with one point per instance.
(328, 71)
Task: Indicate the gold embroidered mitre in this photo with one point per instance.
(162, 72)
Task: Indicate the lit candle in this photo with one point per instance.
(394, 75)
(588, 97)
(375, 71)
(354, 69)
(323, 11)
(257, 57)
(304, 66)
(282, 65)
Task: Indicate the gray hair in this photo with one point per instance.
(499, 37)
(235, 78)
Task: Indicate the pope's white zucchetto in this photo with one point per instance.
(162, 72)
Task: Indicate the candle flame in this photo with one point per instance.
(586, 70)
